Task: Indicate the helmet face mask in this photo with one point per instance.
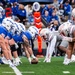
(7, 25)
(45, 37)
(44, 33)
(34, 31)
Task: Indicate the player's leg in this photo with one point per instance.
(52, 48)
(14, 47)
(63, 45)
(47, 51)
(5, 51)
(73, 54)
(8, 48)
(69, 54)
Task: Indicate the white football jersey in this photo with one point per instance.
(64, 28)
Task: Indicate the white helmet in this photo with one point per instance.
(1, 9)
(73, 13)
(44, 33)
(16, 28)
(19, 27)
(64, 28)
(22, 27)
(7, 23)
(33, 31)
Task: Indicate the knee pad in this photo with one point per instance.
(13, 48)
(1, 51)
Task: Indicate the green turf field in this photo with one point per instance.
(54, 68)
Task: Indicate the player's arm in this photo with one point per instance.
(70, 39)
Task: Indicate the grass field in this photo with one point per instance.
(54, 68)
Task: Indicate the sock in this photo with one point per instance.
(9, 62)
(29, 59)
(33, 56)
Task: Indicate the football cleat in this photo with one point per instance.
(73, 58)
(66, 61)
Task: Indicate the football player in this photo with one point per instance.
(4, 29)
(48, 36)
(69, 31)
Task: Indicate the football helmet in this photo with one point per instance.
(22, 27)
(44, 33)
(33, 31)
(7, 23)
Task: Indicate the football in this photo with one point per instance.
(34, 61)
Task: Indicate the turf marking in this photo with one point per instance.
(8, 72)
(17, 72)
(28, 72)
(65, 72)
(21, 72)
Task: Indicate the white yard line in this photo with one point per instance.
(21, 72)
(28, 72)
(8, 72)
(17, 72)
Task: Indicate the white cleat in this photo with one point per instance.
(17, 62)
(4, 60)
(11, 64)
(66, 61)
(47, 60)
(73, 58)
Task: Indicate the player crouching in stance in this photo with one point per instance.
(48, 36)
(24, 37)
(4, 29)
(69, 31)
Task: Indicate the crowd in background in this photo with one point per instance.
(59, 10)
(54, 14)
